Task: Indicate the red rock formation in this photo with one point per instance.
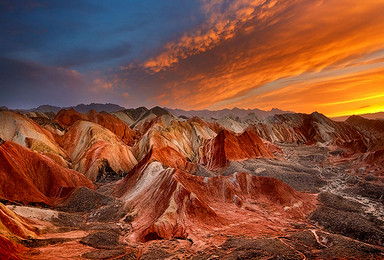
(114, 124)
(375, 158)
(167, 156)
(68, 117)
(216, 127)
(169, 203)
(13, 225)
(29, 177)
(373, 162)
(22, 130)
(164, 203)
(165, 131)
(369, 125)
(373, 129)
(90, 146)
(226, 147)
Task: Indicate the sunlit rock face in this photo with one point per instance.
(13, 228)
(24, 131)
(186, 137)
(226, 147)
(67, 118)
(89, 145)
(374, 129)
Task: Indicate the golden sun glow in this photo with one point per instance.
(327, 57)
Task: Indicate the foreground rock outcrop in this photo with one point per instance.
(14, 228)
(168, 203)
(31, 178)
(24, 131)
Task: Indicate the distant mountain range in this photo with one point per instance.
(205, 114)
(379, 115)
(81, 108)
(235, 112)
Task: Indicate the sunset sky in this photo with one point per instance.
(297, 55)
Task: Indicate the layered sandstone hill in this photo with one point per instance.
(31, 178)
(13, 226)
(169, 157)
(68, 117)
(24, 131)
(226, 147)
(96, 151)
(131, 116)
(168, 203)
(310, 129)
(136, 117)
(186, 137)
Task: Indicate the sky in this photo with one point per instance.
(297, 55)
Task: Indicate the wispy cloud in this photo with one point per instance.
(297, 55)
(222, 20)
(244, 45)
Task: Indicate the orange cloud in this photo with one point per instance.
(266, 46)
(220, 25)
